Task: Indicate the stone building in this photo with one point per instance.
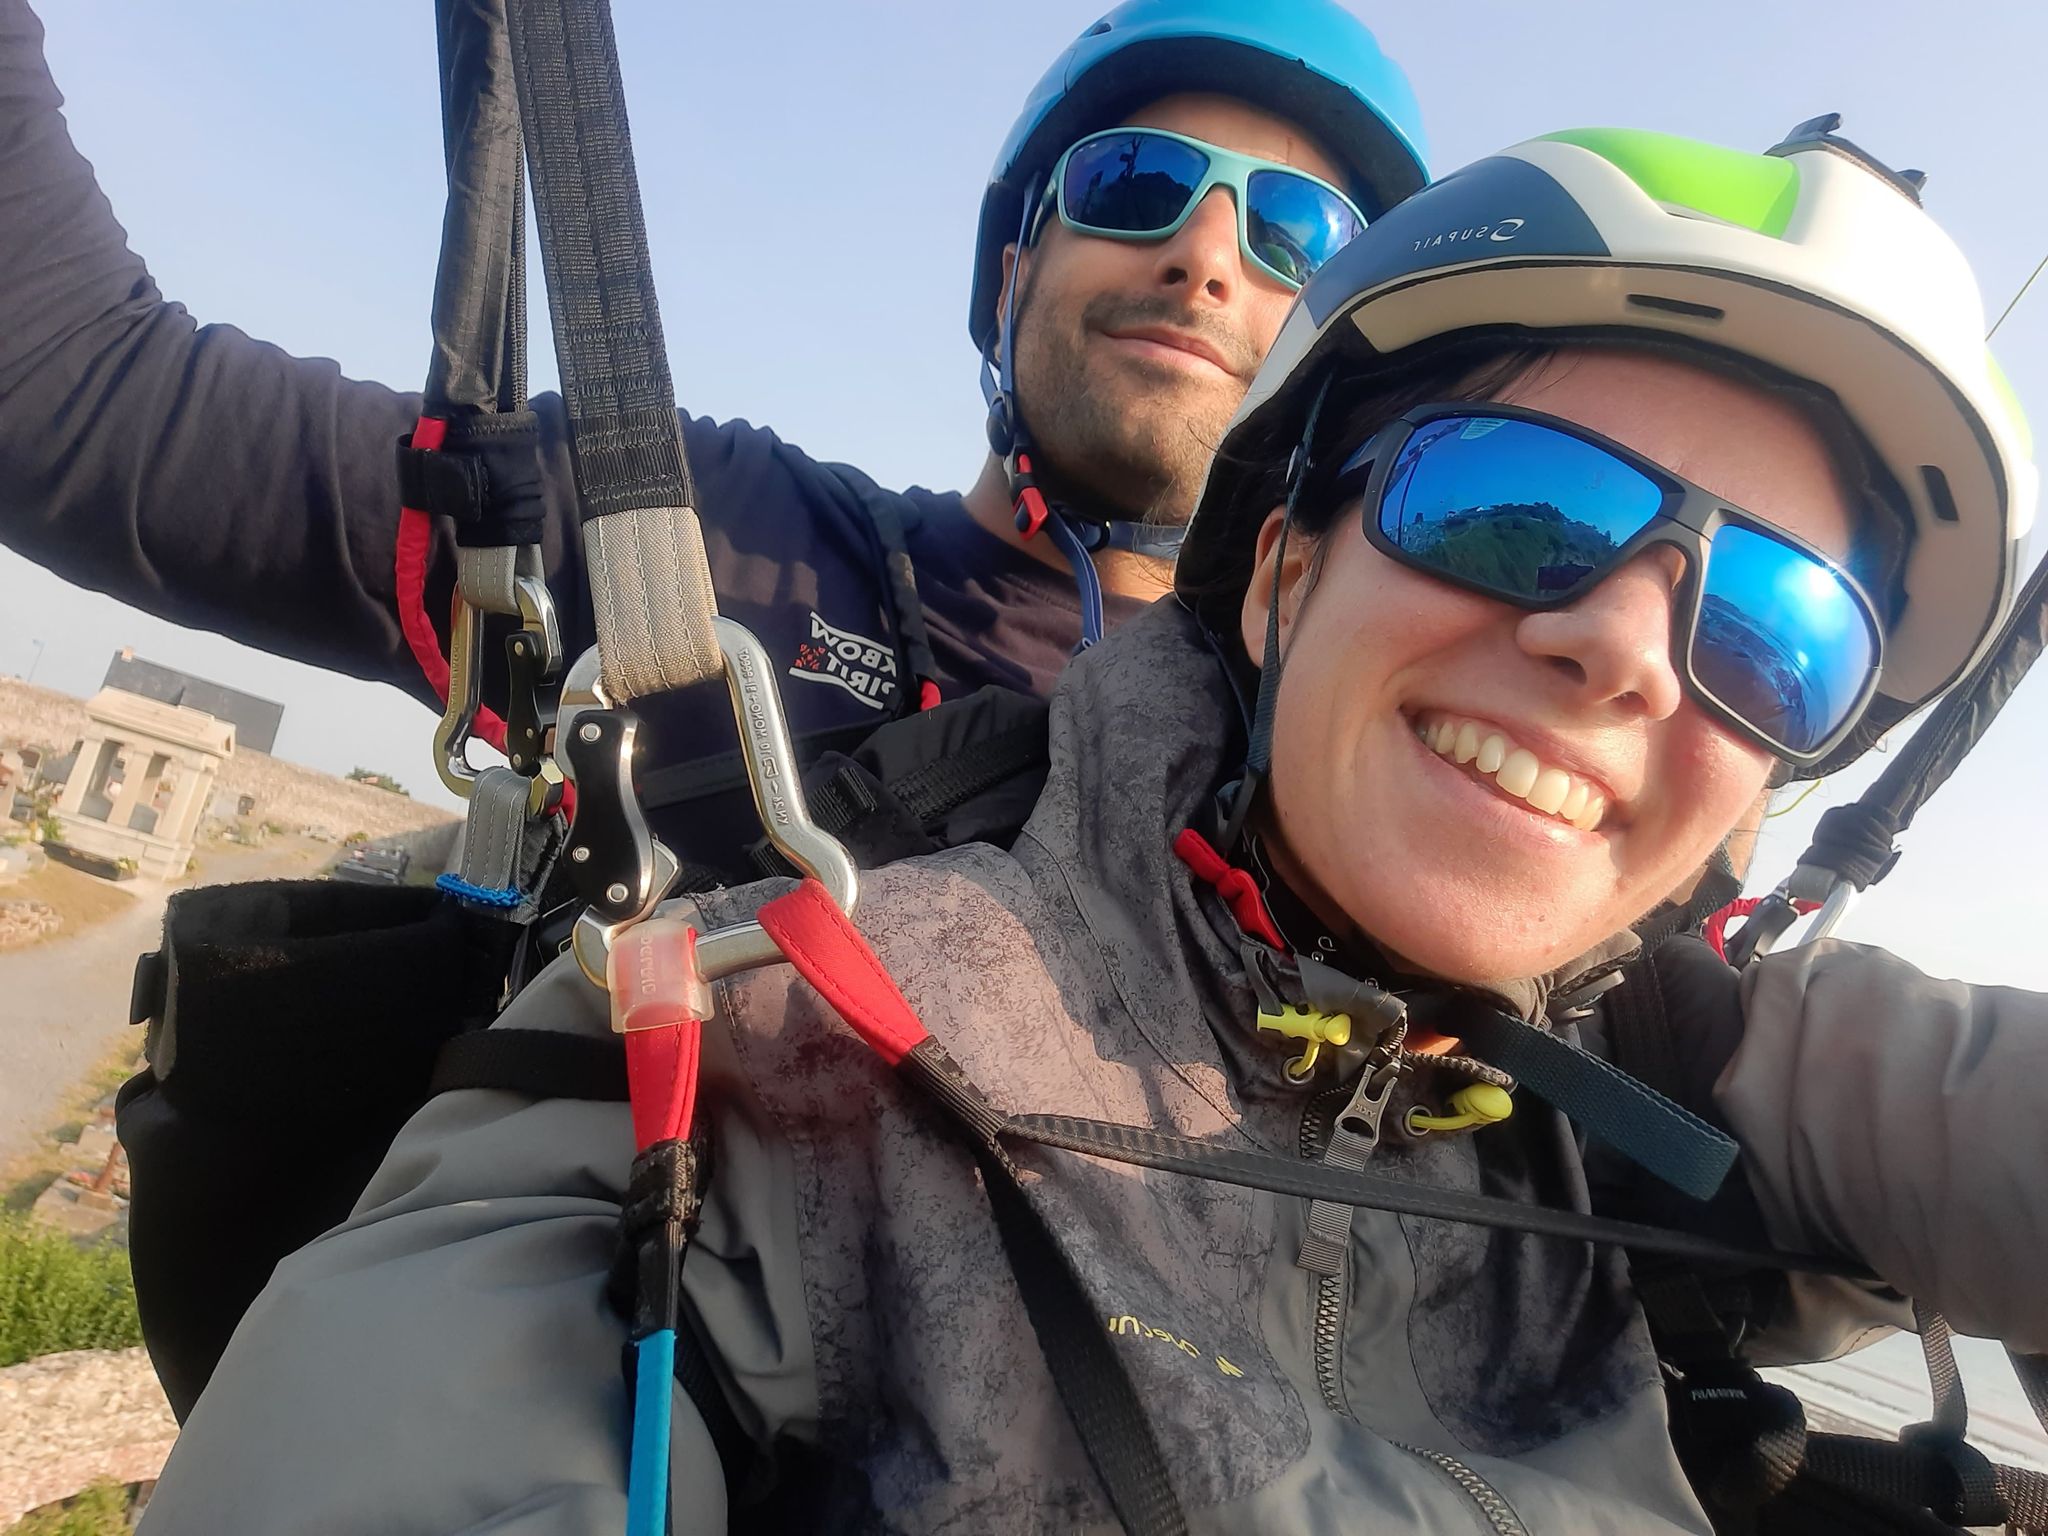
(144, 775)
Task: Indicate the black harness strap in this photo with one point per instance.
(541, 1063)
(1089, 1377)
(928, 793)
(608, 337)
(528, 1060)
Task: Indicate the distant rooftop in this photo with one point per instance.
(255, 720)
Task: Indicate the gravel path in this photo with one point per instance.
(64, 1002)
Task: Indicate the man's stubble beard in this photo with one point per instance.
(1114, 451)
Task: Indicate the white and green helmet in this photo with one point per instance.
(1813, 260)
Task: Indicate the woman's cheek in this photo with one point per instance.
(1707, 784)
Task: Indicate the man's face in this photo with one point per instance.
(1132, 357)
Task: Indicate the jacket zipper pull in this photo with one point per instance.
(1353, 1137)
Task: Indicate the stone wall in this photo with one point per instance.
(67, 1421)
(285, 793)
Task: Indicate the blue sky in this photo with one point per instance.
(812, 172)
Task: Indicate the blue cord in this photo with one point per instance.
(482, 895)
(1085, 580)
(654, 1367)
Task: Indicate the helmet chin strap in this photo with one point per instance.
(1258, 758)
(1076, 537)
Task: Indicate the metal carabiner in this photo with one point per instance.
(511, 581)
(612, 860)
(465, 697)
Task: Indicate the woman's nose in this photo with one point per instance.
(1614, 643)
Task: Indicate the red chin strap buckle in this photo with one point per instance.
(1029, 508)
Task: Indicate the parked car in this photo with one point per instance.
(377, 866)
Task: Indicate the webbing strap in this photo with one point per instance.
(479, 358)
(541, 1063)
(829, 952)
(1603, 1101)
(650, 582)
(1317, 1181)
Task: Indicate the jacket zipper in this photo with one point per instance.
(1354, 1135)
(1498, 1512)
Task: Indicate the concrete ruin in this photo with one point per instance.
(144, 776)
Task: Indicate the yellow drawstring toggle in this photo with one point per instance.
(1474, 1104)
(1317, 1029)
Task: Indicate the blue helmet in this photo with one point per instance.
(1309, 61)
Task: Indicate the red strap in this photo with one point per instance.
(927, 694)
(1715, 929)
(415, 546)
(829, 953)
(1234, 885)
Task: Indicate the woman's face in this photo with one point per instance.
(1437, 861)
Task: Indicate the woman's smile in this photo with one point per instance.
(1493, 757)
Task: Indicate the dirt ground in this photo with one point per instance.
(82, 900)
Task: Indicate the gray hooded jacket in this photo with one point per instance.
(446, 1360)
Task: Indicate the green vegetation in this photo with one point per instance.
(56, 1294)
(1500, 545)
(101, 1510)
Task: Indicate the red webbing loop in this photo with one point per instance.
(661, 1079)
(1235, 886)
(415, 545)
(1715, 929)
(829, 953)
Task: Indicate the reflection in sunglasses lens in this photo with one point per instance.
(1781, 641)
(1132, 183)
(1512, 506)
(1294, 226)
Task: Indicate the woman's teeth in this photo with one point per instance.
(1515, 770)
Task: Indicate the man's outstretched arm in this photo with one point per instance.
(190, 470)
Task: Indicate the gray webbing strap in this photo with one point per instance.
(650, 583)
(650, 591)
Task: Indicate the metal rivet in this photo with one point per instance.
(589, 733)
(616, 892)
(580, 854)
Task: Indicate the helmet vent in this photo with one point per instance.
(1940, 495)
(1691, 311)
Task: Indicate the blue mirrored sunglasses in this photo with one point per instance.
(1145, 183)
(1772, 636)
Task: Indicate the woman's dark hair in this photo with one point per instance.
(1477, 369)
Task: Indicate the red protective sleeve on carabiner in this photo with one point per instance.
(829, 953)
(659, 1001)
